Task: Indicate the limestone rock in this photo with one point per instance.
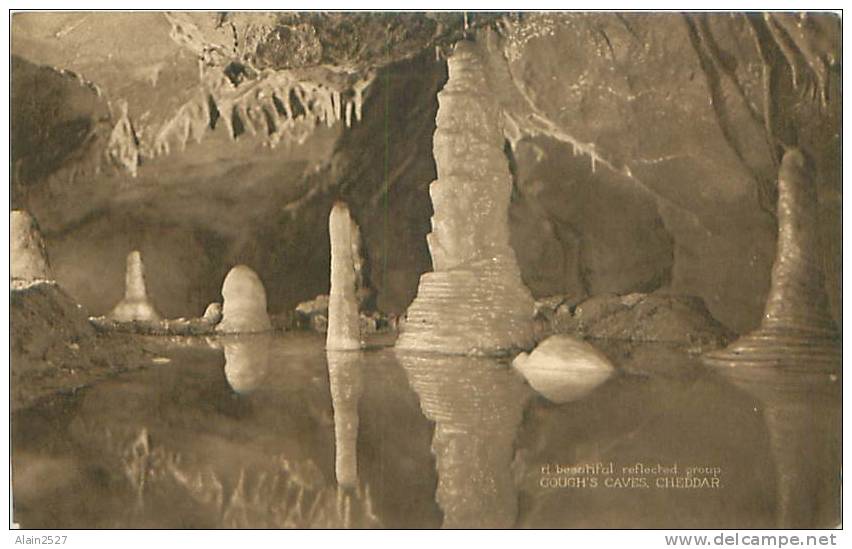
(563, 368)
(135, 305)
(797, 328)
(244, 303)
(343, 323)
(213, 313)
(474, 302)
(27, 253)
(649, 318)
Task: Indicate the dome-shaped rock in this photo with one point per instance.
(563, 369)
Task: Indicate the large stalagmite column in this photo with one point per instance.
(474, 302)
(797, 329)
(28, 256)
(343, 328)
(243, 303)
(135, 305)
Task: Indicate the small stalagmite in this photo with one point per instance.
(797, 329)
(343, 323)
(475, 301)
(244, 303)
(135, 305)
(28, 256)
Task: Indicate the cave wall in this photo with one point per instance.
(643, 149)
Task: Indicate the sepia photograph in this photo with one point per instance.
(426, 270)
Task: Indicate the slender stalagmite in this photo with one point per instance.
(797, 329)
(343, 328)
(135, 305)
(474, 302)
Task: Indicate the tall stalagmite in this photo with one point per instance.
(135, 305)
(797, 329)
(343, 328)
(474, 302)
(28, 256)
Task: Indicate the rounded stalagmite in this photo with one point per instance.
(28, 256)
(135, 305)
(244, 303)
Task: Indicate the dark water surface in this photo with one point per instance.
(273, 432)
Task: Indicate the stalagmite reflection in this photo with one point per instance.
(346, 384)
(802, 415)
(477, 405)
(247, 361)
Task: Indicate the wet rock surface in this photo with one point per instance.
(55, 350)
(682, 320)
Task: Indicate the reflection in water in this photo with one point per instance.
(258, 443)
(477, 405)
(247, 361)
(801, 409)
(346, 384)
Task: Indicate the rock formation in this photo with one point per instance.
(346, 383)
(343, 323)
(213, 313)
(797, 329)
(681, 319)
(135, 305)
(477, 406)
(563, 369)
(28, 256)
(244, 303)
(474, 302)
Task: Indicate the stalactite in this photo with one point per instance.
(252, 106)
(123, 145)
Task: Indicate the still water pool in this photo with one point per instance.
(274, 432)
